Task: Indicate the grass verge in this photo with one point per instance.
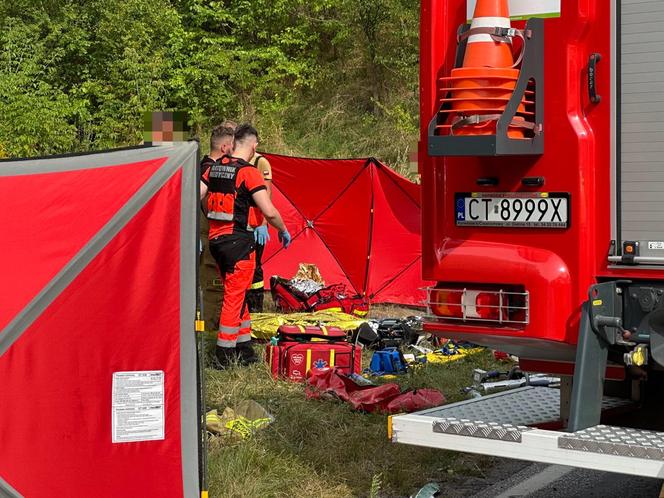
(325, 449)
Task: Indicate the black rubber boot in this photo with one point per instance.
(247, 353)
(227, 357)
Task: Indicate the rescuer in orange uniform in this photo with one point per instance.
(235, 186)
(221, 143)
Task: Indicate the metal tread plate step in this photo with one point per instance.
(620, 441)
(498, 425)
(526, 406)
(504, 416)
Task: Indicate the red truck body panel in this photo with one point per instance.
(555, 266)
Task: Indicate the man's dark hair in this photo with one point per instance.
(218, 134)
(244, 131)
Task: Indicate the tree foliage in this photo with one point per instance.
(318, 77)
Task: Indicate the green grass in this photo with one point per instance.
(323, 448)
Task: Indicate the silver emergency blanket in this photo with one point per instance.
(306, 285)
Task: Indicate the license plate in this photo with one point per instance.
(510, 209)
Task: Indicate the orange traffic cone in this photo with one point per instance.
(479, 91)
(482, 50)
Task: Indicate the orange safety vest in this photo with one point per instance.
(228, 201)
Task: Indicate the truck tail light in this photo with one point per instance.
(488, 306)
(507, 305)
(447, 302)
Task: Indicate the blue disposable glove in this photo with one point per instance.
(285, 238)
(261, 236)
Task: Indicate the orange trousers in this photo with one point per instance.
(234, 322)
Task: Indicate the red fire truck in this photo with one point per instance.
(543, 224)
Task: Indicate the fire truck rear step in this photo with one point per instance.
(503, 425)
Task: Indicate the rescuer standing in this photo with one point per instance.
(221, 143)
(256, 292)
(235, 186)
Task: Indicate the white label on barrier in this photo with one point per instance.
(656, 245)
(525, 9)
(138, 406)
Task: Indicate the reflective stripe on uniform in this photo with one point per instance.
(228, 330)
(219, 216)
(244, 337)
(225, 343)
(245, 325)
(227, 337)
(258, 285)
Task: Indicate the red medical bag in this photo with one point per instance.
(303, 349)
(336, 298)
(288, 299)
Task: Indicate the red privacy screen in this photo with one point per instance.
(356, 219)
(97, 348)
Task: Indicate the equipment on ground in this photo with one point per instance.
(289, 298)
(298, 350)
(481, 376)
(385, 398)
(388, 361)
(397, 332)
(266, 325)
(542, 184)
(390, 332)
(493, 381)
